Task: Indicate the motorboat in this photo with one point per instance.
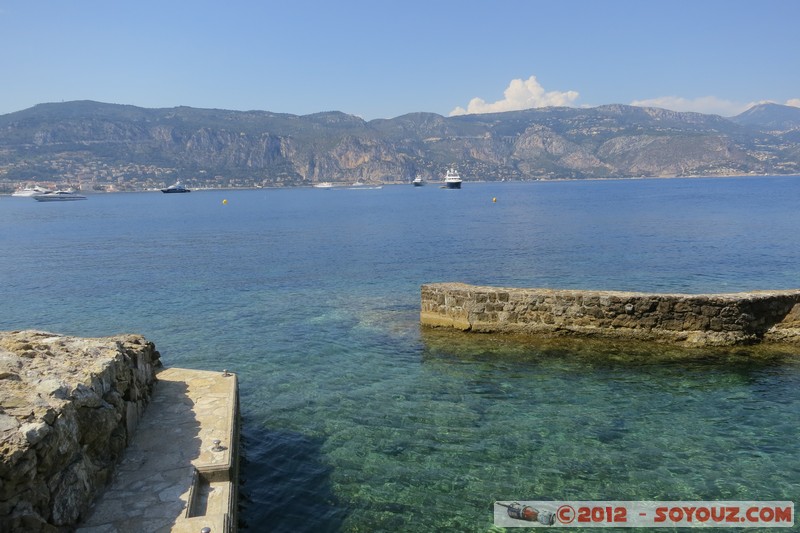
(175, 189)
(30, 191)
(359, 186)
(323, 185)
(58, 196)
(452, 180)
(418, 182)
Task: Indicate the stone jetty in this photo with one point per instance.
(96, 436)
(681, 319)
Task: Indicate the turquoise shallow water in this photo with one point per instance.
(355, 419)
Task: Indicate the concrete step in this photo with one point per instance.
(180, 471)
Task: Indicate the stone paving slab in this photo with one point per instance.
(174, 447)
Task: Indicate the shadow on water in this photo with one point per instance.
(285, 486)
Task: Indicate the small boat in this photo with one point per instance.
(30, 191)
(58, 196)
(418, 182)
(358, 186)
(323, 185)
(452, 180)
(175, 189)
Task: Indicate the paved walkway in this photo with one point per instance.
(174, 475)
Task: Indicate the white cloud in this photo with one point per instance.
(706, 104)
(710, 105)
(520, 94)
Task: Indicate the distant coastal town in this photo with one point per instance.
(102, 177)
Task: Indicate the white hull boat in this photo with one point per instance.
(27, 192)
(452, 180)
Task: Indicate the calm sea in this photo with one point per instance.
(355, 419)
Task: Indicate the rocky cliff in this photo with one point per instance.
(67, 409)
(91, 142)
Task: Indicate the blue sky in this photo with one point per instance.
(382, 59)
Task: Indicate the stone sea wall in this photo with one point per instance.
(68, 407)
(684, 319)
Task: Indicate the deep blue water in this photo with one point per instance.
(355, 418)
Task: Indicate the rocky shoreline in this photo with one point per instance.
(68, 408)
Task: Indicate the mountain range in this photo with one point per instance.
(123, 146)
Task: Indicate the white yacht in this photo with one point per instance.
(418, 182)
(30, 191)
(359, 186)
(323, 185)
(452, 180)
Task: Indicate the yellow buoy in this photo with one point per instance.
(224, 202)
(494, 199)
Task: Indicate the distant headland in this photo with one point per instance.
(95, 146)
